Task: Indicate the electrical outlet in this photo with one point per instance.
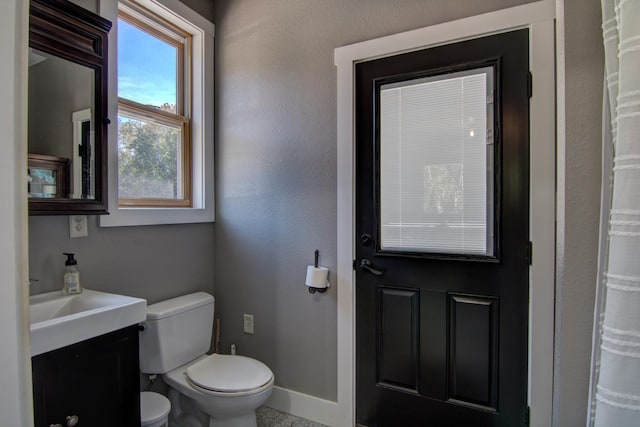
(248, 323)
(78, 226)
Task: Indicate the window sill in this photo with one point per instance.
(121, 217)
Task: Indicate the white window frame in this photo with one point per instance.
(203, 209)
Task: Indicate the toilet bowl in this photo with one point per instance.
(228, 403)
(206, 390)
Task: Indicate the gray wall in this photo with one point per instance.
(91, 5)
(152, 262)
(205, 8)
(579, 169)
(276, 167)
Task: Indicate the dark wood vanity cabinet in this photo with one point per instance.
(96, 380)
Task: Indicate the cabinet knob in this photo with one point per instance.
(72, 420)
(55, 425)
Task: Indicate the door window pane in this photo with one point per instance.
(436, 164)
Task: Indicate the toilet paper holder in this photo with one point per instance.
(317, 277)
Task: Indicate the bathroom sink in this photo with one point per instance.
(59, 320)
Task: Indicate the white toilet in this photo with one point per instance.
(206, 390)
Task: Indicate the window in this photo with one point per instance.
(437, 164)
(154, 92)
(160, 167)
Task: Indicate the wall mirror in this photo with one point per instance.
(68, 121)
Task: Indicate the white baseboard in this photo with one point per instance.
(303, 405)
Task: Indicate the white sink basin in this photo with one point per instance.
(58, 320)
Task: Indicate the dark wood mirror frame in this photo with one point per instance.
(63, 29)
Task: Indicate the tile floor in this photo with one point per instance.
(268, 417)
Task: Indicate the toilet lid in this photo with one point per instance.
(153, 407)
(225, 373)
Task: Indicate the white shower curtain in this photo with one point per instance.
(615, 379)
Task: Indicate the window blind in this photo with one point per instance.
(436, 164)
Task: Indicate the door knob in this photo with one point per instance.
(72, 420)
(365, 265)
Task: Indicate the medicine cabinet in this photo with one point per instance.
(67, 121)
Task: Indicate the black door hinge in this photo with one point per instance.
(529, 255)
(354, 265)
(527, 416)
(529, 84)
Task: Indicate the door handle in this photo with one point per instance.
(365, 265)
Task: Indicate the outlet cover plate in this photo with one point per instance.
(78, 226)
(248, 323)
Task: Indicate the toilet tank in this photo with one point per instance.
(176, 331)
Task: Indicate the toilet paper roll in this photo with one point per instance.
(317, 277)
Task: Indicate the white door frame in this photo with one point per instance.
(16, 406)
(539, 18)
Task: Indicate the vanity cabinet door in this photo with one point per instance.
(96, 380)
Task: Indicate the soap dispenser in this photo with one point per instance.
(71, 276)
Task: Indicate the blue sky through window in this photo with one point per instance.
(147, 67)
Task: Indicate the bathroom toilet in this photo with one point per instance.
(205, 390)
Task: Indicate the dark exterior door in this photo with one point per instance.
(442, 235)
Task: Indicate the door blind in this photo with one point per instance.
(436, 164)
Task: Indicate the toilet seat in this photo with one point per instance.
(229, 375)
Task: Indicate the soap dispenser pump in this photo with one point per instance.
(71, 276)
